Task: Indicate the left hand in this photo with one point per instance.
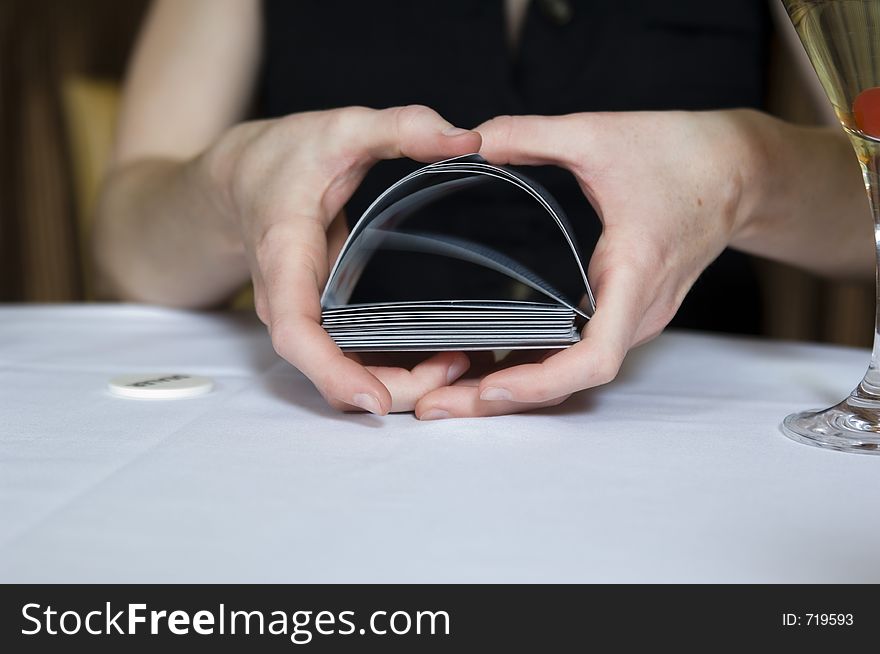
(672, 189)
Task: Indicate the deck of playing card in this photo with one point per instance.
(449, 323)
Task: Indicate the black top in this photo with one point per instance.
(454, 56)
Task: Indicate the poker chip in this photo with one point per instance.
(159, 386)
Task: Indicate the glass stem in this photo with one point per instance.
(869, 389)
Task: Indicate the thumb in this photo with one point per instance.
(417, 132)
(528, 140)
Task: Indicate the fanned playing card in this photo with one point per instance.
(449, 323)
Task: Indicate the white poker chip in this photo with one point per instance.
(160, 387)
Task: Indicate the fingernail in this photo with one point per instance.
(367, 402)
(435, 414)
(454, 131)
(495, 393)
(456, 370)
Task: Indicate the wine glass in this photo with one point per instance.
(842, 39)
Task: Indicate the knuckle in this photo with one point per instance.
(255, 138)
(433, 377)
(283, 338)
(652, 331)
(542, 389)
(606, 368)
(558, 400)
(541, 393)
(328, 126)
(412, 113)
(331, 389)
(346, 124)
(409, 116)
(666, 312)
(502, 128)
(269, 239)
(502, 123)
(406, 121)
(658, 317)
(344, 119)
(262, 308)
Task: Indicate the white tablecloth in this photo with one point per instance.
(676, 472)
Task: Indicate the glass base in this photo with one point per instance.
(851, 426)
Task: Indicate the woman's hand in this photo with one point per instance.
(672, 190)
(282, 185)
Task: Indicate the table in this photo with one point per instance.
(676, 472)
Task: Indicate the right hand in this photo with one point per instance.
(283, 185)
(672, 190)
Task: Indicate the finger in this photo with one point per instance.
(433, 372)
(407, 386)
(293, 267)
(261, 300)
(595, 360)
(345, 406)
(337, 234)
(404, 359)
(463, 401)
(412, 131)
(530, 140)
(483, 362)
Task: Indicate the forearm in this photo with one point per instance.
(804, 200)
(161, 236)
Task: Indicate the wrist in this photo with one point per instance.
(210, 176)
(756, 143)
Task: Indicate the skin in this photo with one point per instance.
(197, 202)
(672, 189)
